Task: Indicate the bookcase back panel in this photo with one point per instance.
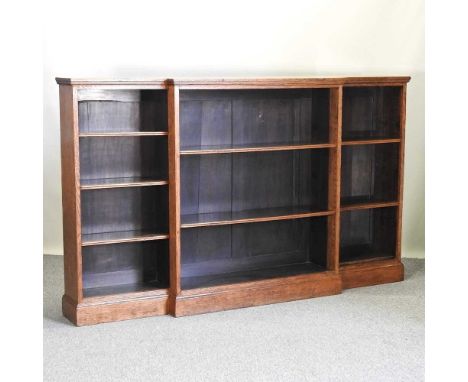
(254, 181)
(125, 267)
(368, 233)
(236, 118)
(122, 110)
(125, 209)
(371, 112)
(123, 157)
(295, 246)
(369, 173)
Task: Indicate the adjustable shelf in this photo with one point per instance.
(203, 150)
(136, 181)
(248, 216)
(193, 196)
(125, 134)
(120, 237)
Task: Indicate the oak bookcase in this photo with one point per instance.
(191, 196)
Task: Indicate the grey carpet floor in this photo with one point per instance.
(366, 334)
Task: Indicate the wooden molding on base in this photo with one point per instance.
(371, 273)
(96, 313)
(214, 299)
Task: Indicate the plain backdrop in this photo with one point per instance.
(245, 39)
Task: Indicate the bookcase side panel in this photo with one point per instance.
(174, 194)
(401, 171)
(70, 193)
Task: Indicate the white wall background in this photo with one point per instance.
(147, 39)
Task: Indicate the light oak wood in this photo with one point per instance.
(128, 301)
(258, 219)
(257, 149)
(334, 179)
(371, 142)
(367, 206)
(401, 174)
(125, 134)
(70, 193)
(174, 195)
(242, 295)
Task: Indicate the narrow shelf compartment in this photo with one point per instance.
(120, 237)
(203, 150)
(110, 112)
(125, 268)
(368, 234)
(371, 112)
(369, 174)
(124, 214)
(240, 187)
(248, 216)
(136, 181)
(251, 119)
(254, 251)
(123, 157)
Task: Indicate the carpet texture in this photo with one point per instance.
(365, 334)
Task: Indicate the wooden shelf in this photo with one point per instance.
(119, 292)
(370, 141)
(125, 134)
(249, 216)
(365, 206)
(97, 184)
(120, 237)
(250, 275)
(259, 148)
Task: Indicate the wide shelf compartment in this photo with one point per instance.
(368, 234)
(125, 268)
(106, 111)
(123, 157)
(369, 173)
(371, 112)
(253, 251)
(230, 119)
(124, 214)
(240, 186)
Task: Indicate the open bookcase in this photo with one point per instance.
(191, 196)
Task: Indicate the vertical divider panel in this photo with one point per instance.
(334, 181)
(401, 172)
(174, 194)
(71, 193)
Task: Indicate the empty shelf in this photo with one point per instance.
(248, 216)
(94, 184)
(121, 237)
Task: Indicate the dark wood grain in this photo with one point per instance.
(371, 112)
(123, 157)
(369, 174)
(214, 251)
(368, 233)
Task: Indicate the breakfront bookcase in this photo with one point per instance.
(191, 196)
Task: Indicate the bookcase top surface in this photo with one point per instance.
(247, 82)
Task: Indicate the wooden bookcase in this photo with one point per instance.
(191, 196)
